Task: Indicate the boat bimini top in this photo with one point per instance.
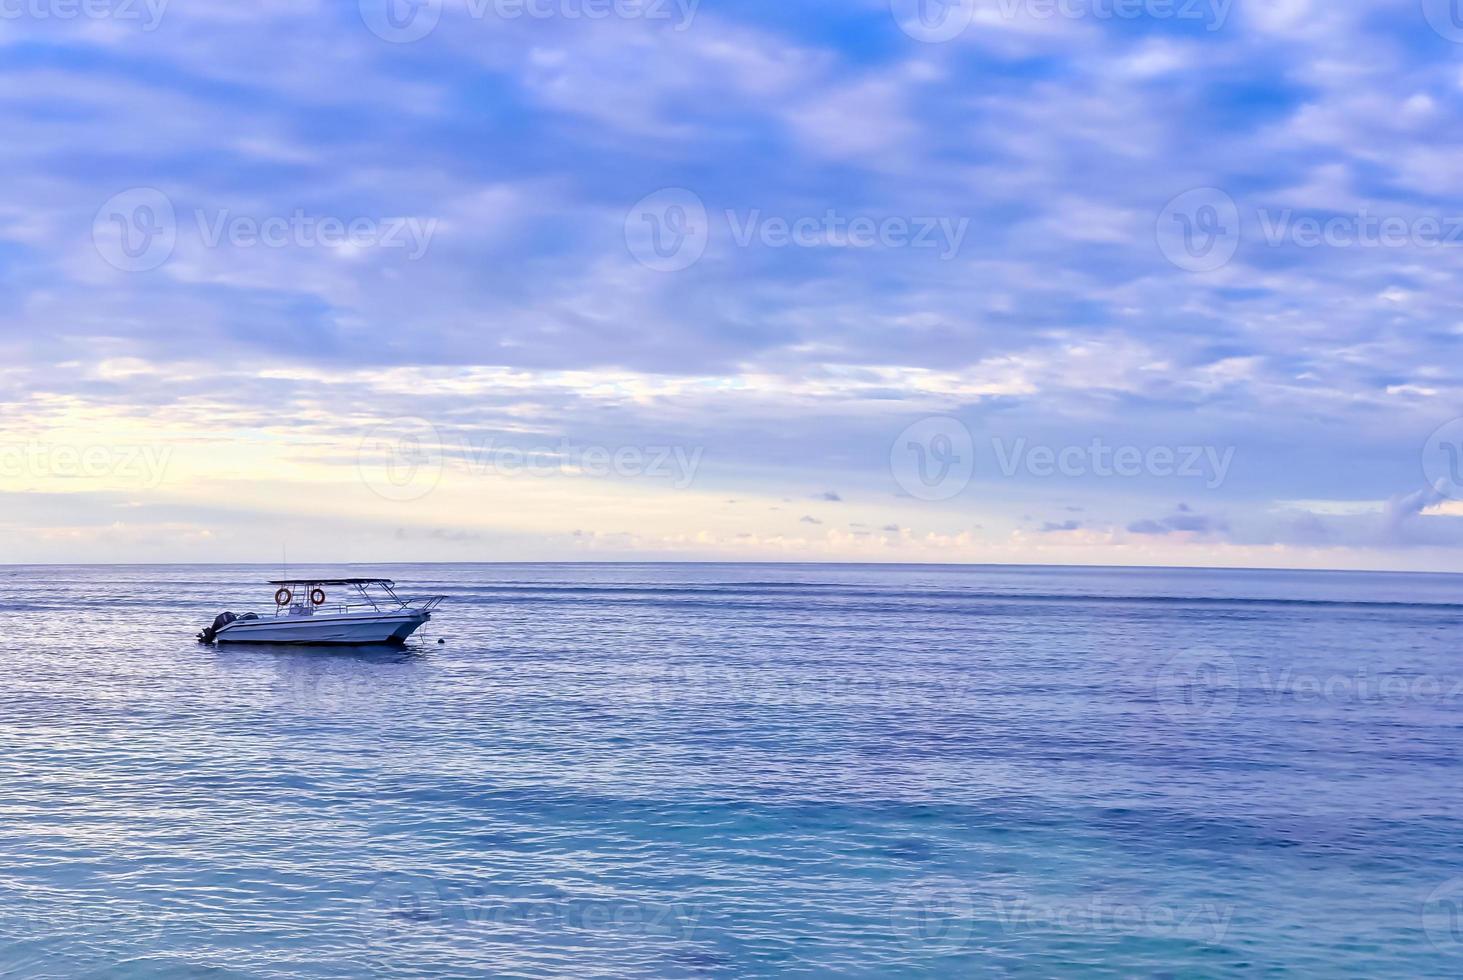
(375, 594)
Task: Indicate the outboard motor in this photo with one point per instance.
(210, 633)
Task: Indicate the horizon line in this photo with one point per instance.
(787, 564)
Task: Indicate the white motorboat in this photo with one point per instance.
(370, 612)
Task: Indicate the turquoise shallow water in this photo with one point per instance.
(730, 771)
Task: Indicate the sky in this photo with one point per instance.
(1148, 282)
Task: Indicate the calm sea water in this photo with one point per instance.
(732, 771)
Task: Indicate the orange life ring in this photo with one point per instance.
(317, 597)
(283, 597)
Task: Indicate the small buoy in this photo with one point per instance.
(440, 640)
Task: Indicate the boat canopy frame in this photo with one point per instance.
(360, 585)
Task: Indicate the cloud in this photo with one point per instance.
(1404, 507)
(810, 520)
(1183, 521)
(529, 320)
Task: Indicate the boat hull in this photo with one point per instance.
(350, 629)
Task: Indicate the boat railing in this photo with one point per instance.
(422, 604)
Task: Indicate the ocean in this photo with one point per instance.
(738, 771)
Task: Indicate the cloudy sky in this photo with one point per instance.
(1086, 281)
